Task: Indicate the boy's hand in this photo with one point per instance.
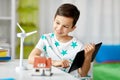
(89, 49)
(65, 63)
(61, 63)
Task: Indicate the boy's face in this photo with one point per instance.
(63, 25)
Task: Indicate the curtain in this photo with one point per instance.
(99, 19)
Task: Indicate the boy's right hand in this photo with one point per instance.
(65, 63)
(61, 63)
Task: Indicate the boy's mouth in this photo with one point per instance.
(58, 32)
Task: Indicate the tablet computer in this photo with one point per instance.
(79, 58)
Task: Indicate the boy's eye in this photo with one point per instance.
(66, 26)
(57, 23)
(63, 25)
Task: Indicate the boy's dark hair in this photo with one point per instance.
(68, 10)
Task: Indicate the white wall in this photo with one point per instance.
(99, 19)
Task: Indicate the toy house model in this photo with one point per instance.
(42, 66)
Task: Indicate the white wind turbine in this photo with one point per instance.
(22, 36)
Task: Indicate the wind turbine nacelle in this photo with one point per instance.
(21, 35)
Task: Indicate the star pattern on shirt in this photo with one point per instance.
(71, 60)
(57, 43)
(74, 44)
(64, 69)
(46, 55)
(43, 37)
(44, 48)
(64, 52)
(50, 47)
(52, 35)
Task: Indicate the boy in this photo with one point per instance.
(59, 45)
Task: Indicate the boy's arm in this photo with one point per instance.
(89, 49)
(85, 68)
(58, 63)
(34, 53)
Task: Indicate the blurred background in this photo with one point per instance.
(99, 22)
(99, 19)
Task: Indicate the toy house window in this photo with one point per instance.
(37, 70)
(41, 65)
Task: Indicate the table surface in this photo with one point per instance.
(8, 70)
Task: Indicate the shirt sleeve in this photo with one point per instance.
(41, 44)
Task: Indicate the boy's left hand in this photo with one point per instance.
(89, 49)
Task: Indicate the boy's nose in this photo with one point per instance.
(59, 28)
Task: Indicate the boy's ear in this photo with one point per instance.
(73, 28)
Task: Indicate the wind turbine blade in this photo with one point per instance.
(30, 33)
(20, 28)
